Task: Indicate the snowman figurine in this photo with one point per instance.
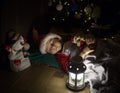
(18, 51)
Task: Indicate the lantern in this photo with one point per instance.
(76, 75)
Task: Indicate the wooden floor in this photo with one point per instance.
(39, 78)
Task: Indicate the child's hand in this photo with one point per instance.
(85, 52)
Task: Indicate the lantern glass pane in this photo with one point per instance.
(71, 79)
(80, 79)
(72, 75)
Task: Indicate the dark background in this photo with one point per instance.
(19, 15)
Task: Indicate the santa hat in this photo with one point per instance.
(45, 40)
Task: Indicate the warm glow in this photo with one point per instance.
(79, 76)
(72, 79)
(72, 75)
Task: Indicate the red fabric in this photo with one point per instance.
(82, 45)
(71, 39)
(17, 62)
(63, 60)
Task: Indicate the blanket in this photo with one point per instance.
(44, 58)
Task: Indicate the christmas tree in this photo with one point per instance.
(74, 12)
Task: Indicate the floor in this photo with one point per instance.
(39, 78)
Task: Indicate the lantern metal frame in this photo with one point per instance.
(77, 69)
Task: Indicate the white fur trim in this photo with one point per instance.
(88, 56)
(45, 40)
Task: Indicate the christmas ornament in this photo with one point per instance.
(54, 19)
(66, 3)
(59, 6)
(88, 10)
(68, 13)
(77, 15)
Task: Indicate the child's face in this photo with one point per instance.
(90, 41)
(53, 46)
